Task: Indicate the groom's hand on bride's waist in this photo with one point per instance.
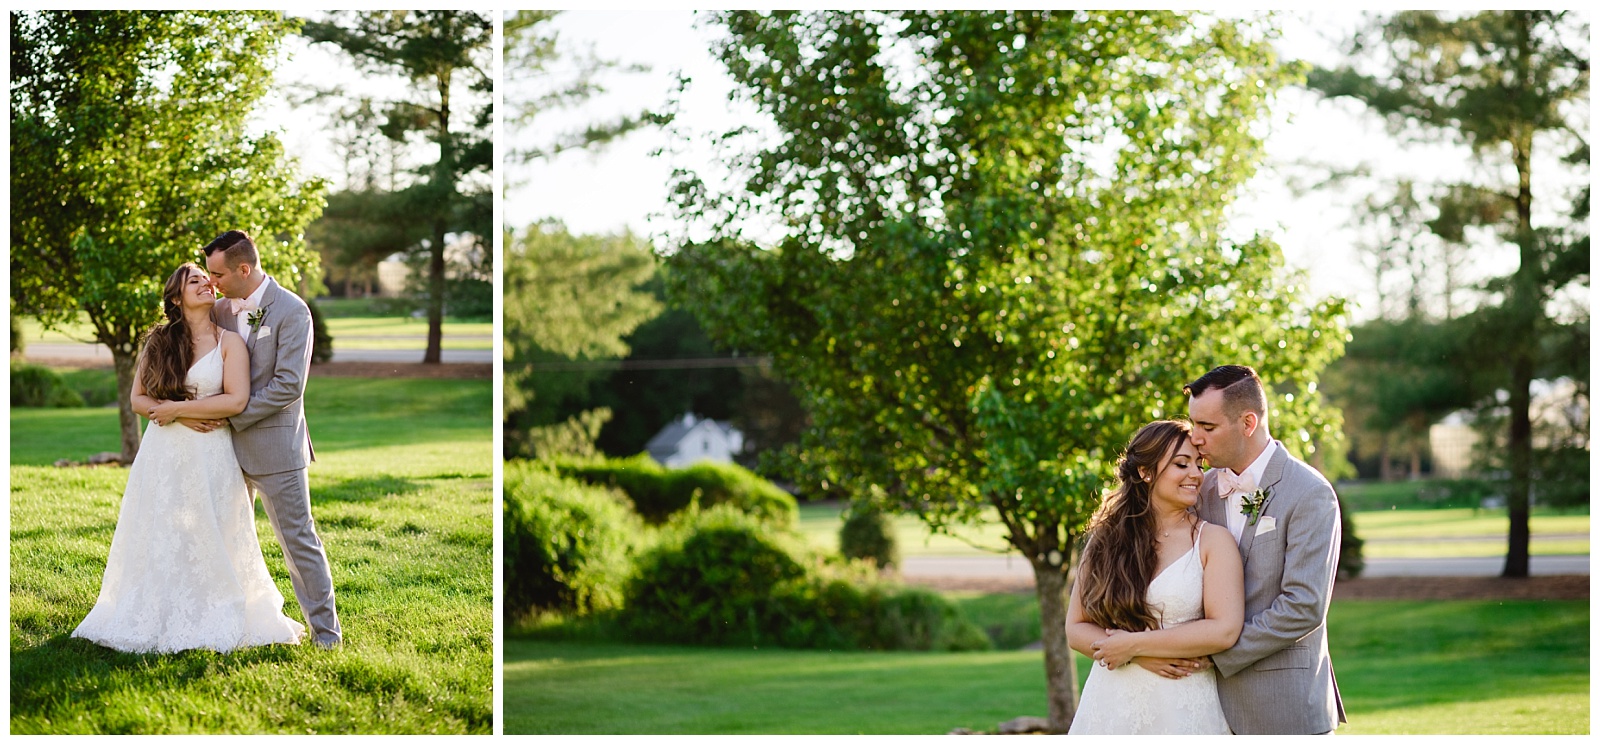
(1175, 669)
(202, 425)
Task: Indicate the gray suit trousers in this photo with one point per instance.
(287, 498)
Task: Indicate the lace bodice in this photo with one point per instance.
(1175, 594)
(1131, 700)
(205, 375)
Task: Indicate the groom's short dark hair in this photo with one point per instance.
(1241, 389)
(236, 248)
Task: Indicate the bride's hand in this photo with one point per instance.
(1117, 649)
(163, 412)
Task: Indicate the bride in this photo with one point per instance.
(1157, 589)
(185, 569)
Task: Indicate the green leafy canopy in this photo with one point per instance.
(1002, 248)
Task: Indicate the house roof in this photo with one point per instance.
(666, 441)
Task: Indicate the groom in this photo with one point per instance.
(270, 435)
(1277, 679)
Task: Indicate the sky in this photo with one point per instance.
(624, 186)
(303, 69)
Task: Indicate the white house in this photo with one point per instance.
(1558, 413)
(690, 439)
(461, 251)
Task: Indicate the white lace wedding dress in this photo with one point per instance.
(1131, 700)
(185, 569)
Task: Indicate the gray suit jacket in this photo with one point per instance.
(1278, 679)
(270, 435)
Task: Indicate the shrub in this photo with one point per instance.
(18, 344)
(1350, 560)
(712, 484)
(97, 386)
(567, 546)
(723, 577)
(867, 535)
(40, 387)
(321, 340)
(711, 580)
(659, 493)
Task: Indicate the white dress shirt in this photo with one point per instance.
(1235, 501)
(243, 320)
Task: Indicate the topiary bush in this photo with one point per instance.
(321, 340)
(567, 546)
(868, 535)
(659, 493)
(40, 387)
(722, 577)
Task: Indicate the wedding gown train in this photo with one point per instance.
(1131, 700)
(185, 569)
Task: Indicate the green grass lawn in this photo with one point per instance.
(1404, 668)
(365, 332)
(1466, 532)
(407, 333)
(1389, 534)
(402, 495)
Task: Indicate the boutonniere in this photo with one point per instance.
(1252, 504)
(254, 319)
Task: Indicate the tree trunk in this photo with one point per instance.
(124, 360)
(1525, 310)
(435, 295)
(444, 177)
(1060, 667)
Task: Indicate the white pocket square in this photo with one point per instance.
(264, 331)
(1266, 524)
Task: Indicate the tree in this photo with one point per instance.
(433, 50)
(1502, 83)
(532, 53)
(129, 151)
(999, 253)
(568, 299)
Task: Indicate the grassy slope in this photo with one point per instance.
(402, 496)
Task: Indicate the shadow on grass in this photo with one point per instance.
(77, 673)
(365, 489)
(49, 532)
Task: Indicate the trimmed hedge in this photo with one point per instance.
(568, 546)
(722, 577)
(658, 493)
(39, 386)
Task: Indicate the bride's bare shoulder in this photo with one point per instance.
(232, 342)
(1212, 534)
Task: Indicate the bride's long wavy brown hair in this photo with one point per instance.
(168, 348)
(1119, 559)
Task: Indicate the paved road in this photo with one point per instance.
(1014, 568)
(98, 353)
